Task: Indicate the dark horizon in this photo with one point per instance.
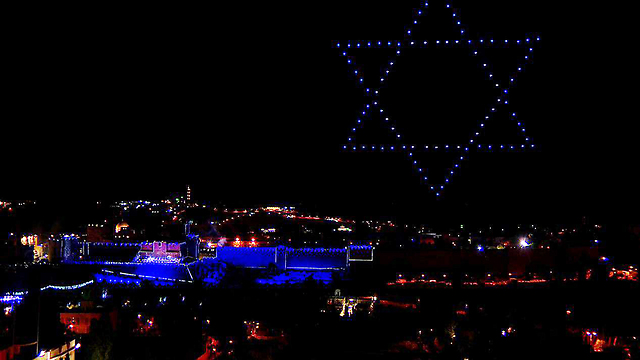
(253, 107)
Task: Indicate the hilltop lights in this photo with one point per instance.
(523, 243)
(474, 46)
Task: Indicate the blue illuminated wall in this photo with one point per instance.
(177, 272)
(286, 258)
(297, 277)
(316, 258)
(259, 257)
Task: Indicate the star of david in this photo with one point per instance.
(476, 46)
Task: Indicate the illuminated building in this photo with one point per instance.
(348, 307)
(39, 248)
(64, 352)
(124, 232)
(69, 246)
(40, 252)
(159, 252)
(29, 240)
(121, 226)
(280, 209)
(626, 273)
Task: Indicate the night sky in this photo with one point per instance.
(250, 104)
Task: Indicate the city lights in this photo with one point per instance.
(426, 179)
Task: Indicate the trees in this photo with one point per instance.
(99, 342)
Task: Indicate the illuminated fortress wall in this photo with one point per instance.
(289, 258)
(247, 257)
(316, 258)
